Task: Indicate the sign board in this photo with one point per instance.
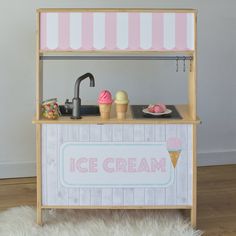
(114, 165)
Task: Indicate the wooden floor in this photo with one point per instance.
(216, 198)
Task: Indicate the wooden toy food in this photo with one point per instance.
(121, 102)
(105, 102)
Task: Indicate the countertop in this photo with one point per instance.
(182, 109)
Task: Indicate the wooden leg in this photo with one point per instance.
(194, 183)
(39, 174)
(39, 216)
(194, 217)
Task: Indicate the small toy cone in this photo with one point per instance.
(174, 156)
(105, 110)
(121, 110)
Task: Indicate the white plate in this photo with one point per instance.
(168, 111)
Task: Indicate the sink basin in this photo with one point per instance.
(85, 110)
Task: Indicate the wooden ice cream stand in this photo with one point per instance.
(91, 163)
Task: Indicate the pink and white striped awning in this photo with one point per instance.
(129, 31)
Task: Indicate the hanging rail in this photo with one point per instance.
(119, 57)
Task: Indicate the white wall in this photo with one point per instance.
(216, 78)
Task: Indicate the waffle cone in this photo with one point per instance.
(174, 156)
(121, 110)
(105, 110)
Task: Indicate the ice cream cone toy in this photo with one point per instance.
(174, 149)
(105, 102)
(121, 102)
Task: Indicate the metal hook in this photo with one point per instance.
(184, 66)
(177, 64)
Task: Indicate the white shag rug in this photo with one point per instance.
(20, 221)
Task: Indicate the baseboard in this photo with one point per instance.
(28, 169)
(17, 169)
(213, 158)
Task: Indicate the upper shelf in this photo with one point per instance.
(119, 30)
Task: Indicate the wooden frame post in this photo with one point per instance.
(39, 64)
(192, 91)
(39, 173)
(39, 97)
(193, 114)
(194, 181)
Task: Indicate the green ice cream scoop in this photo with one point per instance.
(121, 97)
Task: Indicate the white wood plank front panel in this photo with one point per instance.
(53, 136)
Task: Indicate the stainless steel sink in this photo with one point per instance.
(85, 110)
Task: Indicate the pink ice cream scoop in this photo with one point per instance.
(174, 144)
(105, 97)
(157, 108)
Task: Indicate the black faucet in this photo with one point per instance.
(76, 101)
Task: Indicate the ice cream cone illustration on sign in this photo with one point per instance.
(174, 149)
